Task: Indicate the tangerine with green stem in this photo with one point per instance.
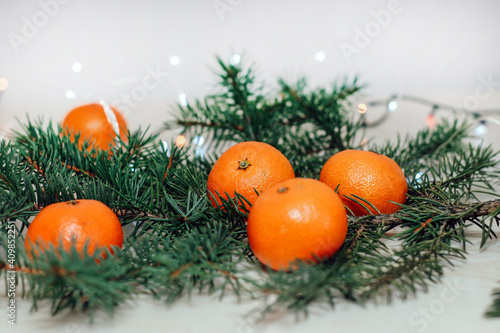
(247, 168)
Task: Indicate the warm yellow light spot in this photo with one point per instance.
(362, 108)
(3, 83)
(180, 141)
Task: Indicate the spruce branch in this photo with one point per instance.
(300, 124)
(412, 150)
(494, 309)
(466, 211)
(178, 243)
(444, 173)
(202, 259)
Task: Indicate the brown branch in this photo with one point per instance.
(355, 239)
(5, 266)
(6, 182)
(59, 271)
(70, 167)
(389, 276)
(175, 274)
(223, 271)
(119, 213)
(423, 225)
(133, 150)
(465, 211)
(124, 213)
(34, 165)
(37, 168)
(168, 167)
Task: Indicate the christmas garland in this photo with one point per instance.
(178, 243)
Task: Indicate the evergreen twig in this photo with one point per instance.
(494, 310)
(178, 243)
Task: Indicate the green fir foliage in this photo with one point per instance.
(177, 243)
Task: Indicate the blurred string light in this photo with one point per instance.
(198, 143)
(362, 108)
(164, 147)
(418, 177)
(77, 67)
(70, 94)
(175, 60)
(180, 141)
(4, 84)
(198, 140)
(392, 104)
(320, 56)
(431, 118)
(199, 153)
(481, 129)
(183, 99)
(235, 59)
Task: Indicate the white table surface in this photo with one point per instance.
(457, 304)
(118, 42)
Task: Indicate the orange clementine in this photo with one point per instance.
(374, 177)
(96, 124)
(300, 218)
(245, 168)
(81, 221)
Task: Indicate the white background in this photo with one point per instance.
(439, 50)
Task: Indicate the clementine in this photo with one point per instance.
(300, 218)
(245, 168)
(371, 176)
(78, 221)
(96, 123)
